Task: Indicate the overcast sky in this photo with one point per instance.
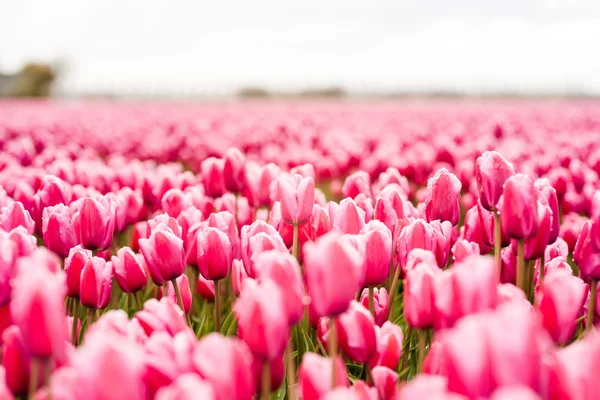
(364, 45)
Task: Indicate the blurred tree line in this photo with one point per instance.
(33, 80)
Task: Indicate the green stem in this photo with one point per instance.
(34, 376)
(422, 346)
(371, 301)
(178, 294)
(405, 350)
(332, 347)
(266, 381)
(138, 302)
(521, 265)
(497, 243)
(589, 325)
(393, 293)
(217, 306)
(193, 286)
(75, 321)
(542, 269)
(90, 317)
(165, 289)
(290, 371)
(295, 243)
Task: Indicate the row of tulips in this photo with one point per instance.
(148, 281)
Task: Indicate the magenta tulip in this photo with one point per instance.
(164, 254)
(314, 376)
(214, 253)
(58, 231)
(519, 210)
(378, 252)
(212, 176)
(161, 316)
(129, 270)
(74, 263)
(187, 387)
(441, 202)
(15, 215)
(95, 222)
(380, 304)
(356, 333)
(234, 171)
(96, 283)
(389, 346)
(491, 171)
(297, 197)
(586, 256)
(419, 295)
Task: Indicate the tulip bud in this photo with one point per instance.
(366, 204)
(214, 253)
(15, 215)
(57, 227)
(473, 231)
(24, 242)
(38, 304)
(389, 346)
(297, 197)
(74, 264)
(571, 228)
(314, 376)
(442, 197)
(234, 171)
(161, 316)
(262, 319)
(385, 380)
(560, 248)
(16, 361)
(140, 231)
(536, 245)
(508, 262)
(186, 387)
(238, 276)
(53, 191)
(225, 221)
(226, 364)
(283, 269)
(168, 221)
(259, 183)
(356, 333)
(212, 176)
(419, 295)
(164, 255)
(380, 304)
(549, 194)
(519, 210)
(348, 218)
(585, 256)
(463, 249)
(378, 252)
(129, 270)
(491, 171)
(236, 205)
(475, 281)
(258, 238)
(333, 270)
(96, 283)
(95, 222)
(357, 183)
(206, 288)
(417, 235)
(561, 304)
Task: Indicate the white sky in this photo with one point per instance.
(216, 46)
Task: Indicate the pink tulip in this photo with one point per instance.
(389, 346)
(475, 282)
(380, 304)
(57, 227)
(357, 183)
(560, 306)
(225, 221)
(186, 387)
(164, 255)
(236, 206)
(341, 393)
(586, 256)
(129, 270)
(348, 218)
(508, 262)
(15, 215)
(116, 360)
(168, 221)
(96, 283)
(205, 288)
(238, 276)
(474, 231)
(491, 171)
(140, 231)
(427, 387)
(536, 245)
(161, 316)
(417, 235)
(258, 238)
(333, 270)
(226, 364)
(52, 191)
(74, 264)
(212, 176)
(378, 252)
(442, 197)
(314, 376)
(95, 222)
(214, 253)
(463, 249)
(559, 248)
(262, 319)
(518, 208)
(38, 307)
(24, 242)
(385, 380)
(16, 360)
(259, 183)
(283, 269)
(571, 228)
(419, 295)
(549, 194)
(297, 197)
(356, 333)
(234, 171)
(366, 204)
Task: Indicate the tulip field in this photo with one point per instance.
(384, 250)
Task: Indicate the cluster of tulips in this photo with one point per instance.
(141, 260)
